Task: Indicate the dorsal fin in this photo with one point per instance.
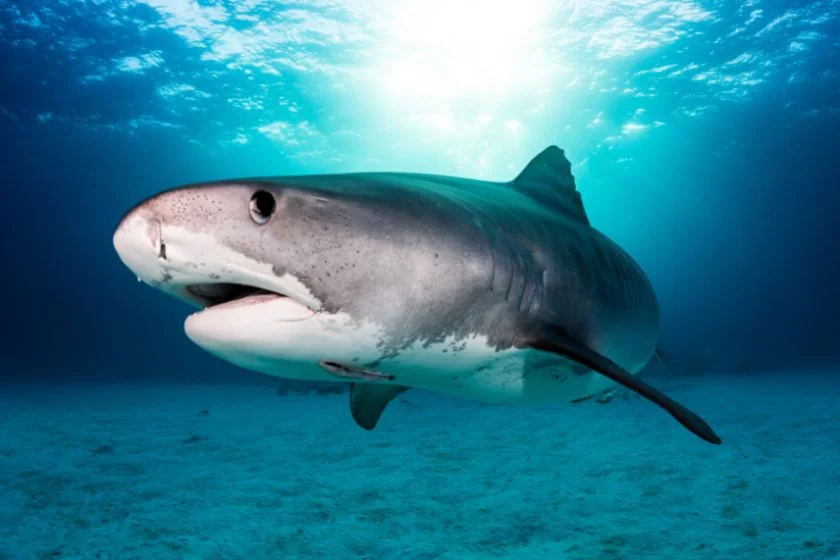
(548, 179)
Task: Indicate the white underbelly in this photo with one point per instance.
(283, 339)
(467, 369)
(507, 377)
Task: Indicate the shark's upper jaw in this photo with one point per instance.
(196, 267)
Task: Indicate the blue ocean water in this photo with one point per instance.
(703, 137)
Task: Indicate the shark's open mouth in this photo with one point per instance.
(215, 295)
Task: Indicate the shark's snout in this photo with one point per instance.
(140, 246)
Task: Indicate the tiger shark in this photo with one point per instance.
(501, 292)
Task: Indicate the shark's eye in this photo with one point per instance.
(262, 207)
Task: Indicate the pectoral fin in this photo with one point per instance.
(368, 402)
(556, 341)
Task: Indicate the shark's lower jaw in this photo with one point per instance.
(260, 332)
(245, 313)
(221, 302)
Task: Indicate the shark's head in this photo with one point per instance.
(303, 270)
(247, 256)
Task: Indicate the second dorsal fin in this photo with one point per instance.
(548, 179)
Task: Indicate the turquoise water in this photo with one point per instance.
(266, 476)
(703, 137)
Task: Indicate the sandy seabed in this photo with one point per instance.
(140, 471)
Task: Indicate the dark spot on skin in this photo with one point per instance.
(162, 252)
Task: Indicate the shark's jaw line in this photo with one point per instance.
(215, 293)
(199, 270)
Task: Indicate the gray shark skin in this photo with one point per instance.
(496, 291)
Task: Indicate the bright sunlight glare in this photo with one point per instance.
(445, 51)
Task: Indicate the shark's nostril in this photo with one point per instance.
(156, 235)
(138, 242)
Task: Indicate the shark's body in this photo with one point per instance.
(501, 292)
